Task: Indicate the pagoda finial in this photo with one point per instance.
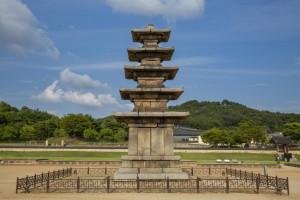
(150, 26)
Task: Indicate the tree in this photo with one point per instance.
(251, 130)
(75, 124)
(122, 135)
(90, 134)
(292, 130)
(114, 125)
(60, 133)
(212, 136)
(45, 129)
(27, 133)
(10, 132)
(106, 134)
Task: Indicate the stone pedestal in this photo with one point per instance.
(150, 143)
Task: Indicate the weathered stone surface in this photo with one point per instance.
(172, 170)
(128, 170)
(168, 138)
(157, 142)
(151, 170)
(152, 175)
(125, 176)
(133, 141)
(144, 141)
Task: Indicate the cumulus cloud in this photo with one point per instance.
(20, 32)
(54, 94)
(50, 94)
(169, 9)
(77, 81)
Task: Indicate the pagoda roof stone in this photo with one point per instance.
(150, 33)
(137, 54)
(150, 93)
(167, 72)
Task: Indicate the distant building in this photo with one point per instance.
(184, 134)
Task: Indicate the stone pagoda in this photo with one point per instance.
(150, 145)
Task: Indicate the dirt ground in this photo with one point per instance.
(9, 173)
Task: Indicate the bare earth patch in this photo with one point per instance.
(9, 173)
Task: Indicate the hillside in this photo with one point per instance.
(206, 115)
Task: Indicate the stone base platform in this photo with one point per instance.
(150, 167)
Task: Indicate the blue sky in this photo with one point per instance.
(68, 56)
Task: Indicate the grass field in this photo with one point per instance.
(79, 155)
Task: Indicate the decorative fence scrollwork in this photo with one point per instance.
(232, 180)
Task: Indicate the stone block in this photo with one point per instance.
(168, 138)
(157, 142)
(152, 176)
(133, 141)
(127, 170)
(151, 164)
(172, 170)
(162, 164)
(139, 164)
(174, 163)
(124, 176)
(126, 163)
(143, 141)
(151, 170)
(182, 175)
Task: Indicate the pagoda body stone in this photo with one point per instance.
(150, 143)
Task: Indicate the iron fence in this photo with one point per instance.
(239, 181)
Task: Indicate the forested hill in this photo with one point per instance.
(206, 115)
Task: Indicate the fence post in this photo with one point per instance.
(26, 180)
(287, 186)
(78, 184)
(276, 182)
(70, 170)
(17, 185)
(227, 184)
(105, 170)
(168, 184)
(240, 174)
(88, 171)
(63, 173)
(197, 184)
(209, 171)
(48, 183)
(58, 172)
(252, 176)
(107, 180)
(234, 173)
(257, 185)
(267, 177)
(34, 180)
(138, 184)
(226, 171)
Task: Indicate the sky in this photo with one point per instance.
(68, 56)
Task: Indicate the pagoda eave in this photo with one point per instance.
(150, 93)
(133, 72)
(137, 54)
(150, 117)
(139, 35)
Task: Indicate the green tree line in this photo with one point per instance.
(27, 124)
(206, 115)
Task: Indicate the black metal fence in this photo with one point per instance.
(264, 181)
(239, 181)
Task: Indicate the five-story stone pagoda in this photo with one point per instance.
(150, 145)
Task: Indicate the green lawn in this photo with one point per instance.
(78, 155)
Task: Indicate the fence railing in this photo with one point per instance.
(33, 182)
(240, 181)
(265, 181)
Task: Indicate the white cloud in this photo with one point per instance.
(108, 99)
(169, 9)
(77, 81)
(87, 99)
(50, 94)
(54, 94)
(71, 27)
(19, 31)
